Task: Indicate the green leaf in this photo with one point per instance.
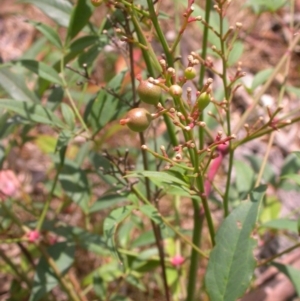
(261, 77)
(80, 16)
(68, 115)
(46, 143)
(55, 98)
(57, 10)
(270, 209)
(244, 178)
(235, 53)
(292, 273)
(110, 227)
(293, 177)
(63, 139)
(48, 32)
(259, 6)
(86, 240)
(282, 224)
(42, 70)
(89, 56)
(158, 177)
(75, 184)
(231, 263)
(33, 112)
(45, 280)
(107, 201)
(136, 282)
(83, 42)
(268, 174)
(15, 86)
(152, 213)
(106, 107)
(293, 90)
(100, 286)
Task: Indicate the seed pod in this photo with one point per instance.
(137, 119)
(190, 73)
(203, 101)
(148, 92)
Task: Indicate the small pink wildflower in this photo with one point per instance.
(33, 235)
(9, 184)
(177, 260)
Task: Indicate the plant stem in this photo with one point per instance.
(228, 119)
(62, 279)
(202, 69)
(73, 105)
(21, 275)
(264, 262)
(197, 230)
(150, 69)
(160, 35)
(48, 201)
(155, 227)
(179, 234)
(257, 97)
(198, 221)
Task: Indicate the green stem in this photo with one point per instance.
(228, 119)
(147, 51)
(178, 233)
(193, 271)
(278, 255)
(48, 201)
(62, 280)
(131, 6)
(202, 69)
(198, 221)
(71, 100)
(20, 274)
(156, 229)
(257, 97)
(146, 57)
(160, 35)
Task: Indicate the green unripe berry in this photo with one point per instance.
(96, 3)
(190, 73)
(175, 91)
(137, 119)
(203, 101)
(148, 92)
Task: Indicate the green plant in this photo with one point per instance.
(120, 196)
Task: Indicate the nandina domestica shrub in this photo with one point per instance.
(181, 203)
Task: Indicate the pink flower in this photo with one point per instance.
(33, 235)
(177, 260)
(9, 183)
